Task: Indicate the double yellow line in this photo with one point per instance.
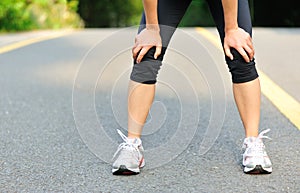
(285, 103)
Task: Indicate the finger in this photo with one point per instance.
(142, 53)
(244, 54)
(135, 51)
(132, 52)
(157, 52)
(249, 51)
(250, 44)
(133, 48)
(228, 52)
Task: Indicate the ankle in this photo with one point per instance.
(131, 136)
(251, 133)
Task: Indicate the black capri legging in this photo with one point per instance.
(170, 13)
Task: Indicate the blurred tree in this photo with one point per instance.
(117, 13)
(54, 13)
(263, 12)
(110, 13)
(198, 14)
(14, 16)
(276, 13)
(38, 14)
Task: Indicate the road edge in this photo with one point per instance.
(23, 43)
(284, 102)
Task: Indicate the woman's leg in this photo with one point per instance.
(143, 77)
(140, 98)
(246, 86)
(246, 90)
(129, 157)
(247, 98)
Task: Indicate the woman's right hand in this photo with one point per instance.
(145, 40)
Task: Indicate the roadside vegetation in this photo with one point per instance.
(21, 15)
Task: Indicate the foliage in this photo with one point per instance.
(110, 13)
(198, 14)
(18, 15)
(14, 16)
(38, 14)
(276, 13)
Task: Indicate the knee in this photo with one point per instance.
(241, 71)
(149, 56)
(145, 72)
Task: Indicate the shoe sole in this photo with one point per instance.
(122, 170)
(257, 170)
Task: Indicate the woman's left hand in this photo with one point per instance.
(241, 41)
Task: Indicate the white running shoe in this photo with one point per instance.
(255, 158)
(129, 157)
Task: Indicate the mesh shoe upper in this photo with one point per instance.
(129, 154)
(255, 153)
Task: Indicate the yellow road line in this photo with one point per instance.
(285, 103)
(27, 42)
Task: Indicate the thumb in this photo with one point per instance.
(157, 52)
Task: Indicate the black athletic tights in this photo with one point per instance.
(170, 13)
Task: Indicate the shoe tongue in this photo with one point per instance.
(135, 141)
(252, 140)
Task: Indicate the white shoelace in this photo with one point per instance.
(257, 146)
(126, 144)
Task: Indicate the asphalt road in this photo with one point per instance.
(63, 99)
